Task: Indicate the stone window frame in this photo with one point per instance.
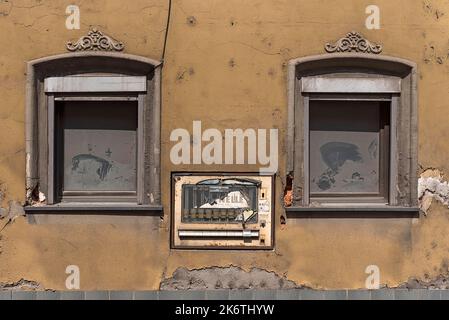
(39, 103)
(404, 163)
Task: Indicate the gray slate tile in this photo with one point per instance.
(23, 295)
(308, 294)
(169, 295)
(241, 295)
(121, 295)
(335, 295)
(146, 295)
(444, 294)
(48, 295)
(288, 294)
(96, 295)
(359, 295)
(404, 294)
(193, 295)
(5, 295)
(382, 294)
(429, 294)
(72, 295)
(265, 294)
(221, 295)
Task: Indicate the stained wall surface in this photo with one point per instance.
(226, 65)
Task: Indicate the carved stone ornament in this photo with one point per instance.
(95, 41)
(353, 42)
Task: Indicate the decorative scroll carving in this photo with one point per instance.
(353, 42)
(95, 41)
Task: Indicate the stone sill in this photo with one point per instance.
(104, 208)
(380, 211)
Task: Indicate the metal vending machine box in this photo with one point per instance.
(222, 211)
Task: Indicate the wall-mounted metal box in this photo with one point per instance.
(222, 211)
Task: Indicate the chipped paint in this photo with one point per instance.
(216, 278)
(432, 186)
(22, 284)
(225, 64)
(11, 213)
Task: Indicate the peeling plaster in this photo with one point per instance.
(432, 54)
(15, 210)
(288, 191)
(215, 278)
(191, 20)
(5, 8)
(430, 10)
(35, 197)
(22, 284)
(311, 251)
(439, 282)
(432, 186)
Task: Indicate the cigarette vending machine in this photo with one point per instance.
(222, 211)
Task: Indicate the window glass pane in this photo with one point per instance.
(99, 146)
(220, 201)
(345, 146)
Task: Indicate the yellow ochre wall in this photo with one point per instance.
(226, 65)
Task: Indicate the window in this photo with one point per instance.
(94, 133)
(96, 150)
(349, 150)
(352, 133)
(94, 138)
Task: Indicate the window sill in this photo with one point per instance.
(366, 211)
(93, 208)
